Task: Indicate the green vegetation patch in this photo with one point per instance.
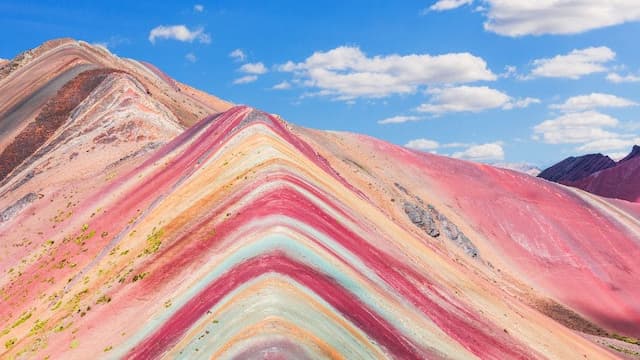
(24, 317)
(154, 241)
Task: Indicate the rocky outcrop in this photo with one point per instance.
(15, 208)
(576, 168)
(55, 112)
(434, 224)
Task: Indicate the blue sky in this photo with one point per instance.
(486, 80)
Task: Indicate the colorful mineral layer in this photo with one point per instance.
(131, 229)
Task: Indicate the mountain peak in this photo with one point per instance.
(575, 168)
(635, 152)
(152, 220)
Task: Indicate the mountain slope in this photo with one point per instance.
(621, 181)
(576, 168)
(243, 236)
(600, 175)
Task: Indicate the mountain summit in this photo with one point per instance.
(598, 174)
(129, 229)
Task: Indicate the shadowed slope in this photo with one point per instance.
(576, 168)
(619, 180)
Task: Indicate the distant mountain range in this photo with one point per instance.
(600, 175)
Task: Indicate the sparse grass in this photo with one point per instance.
(104, 299)
(623, 350)
(626, 339)
(154, 241)
(9, 343)
(140, 276)
(24, 317)
(38, 327)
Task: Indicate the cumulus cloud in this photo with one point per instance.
(191, 57)
(245, 79)
(238, 55)
(442, 5)
(484, 152)
(422, 144)
(520, 103)
(518, 18)
(470, 99)
(617, 78)
(579, 127)
(282, 86)
(590, 131)
(575, 64)
(179, 33)
(593, 101)
(253, 68)
(346, 72)
(610, 145)
(198, 8)
(398, 119)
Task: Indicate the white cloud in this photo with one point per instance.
(610, 144)
(180, 33)
(456, 145)
(245, 79)
(282, 86)
(579, 127)
(485, 152)
(509, 72)
(198, 8)
(442, 5)
(253, 68)
(238, 55)
(522, 167)
(593, 101)
(617, 78)
(575, 64)
(590, 130)
(399, 119)
(520, 103)
(518, 17)
(422, 144)
(470, 99)
(347, 73)
(191, 57)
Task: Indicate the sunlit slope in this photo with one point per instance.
(246, 237)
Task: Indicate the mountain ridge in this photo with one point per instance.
(600, 175)
(243, 235)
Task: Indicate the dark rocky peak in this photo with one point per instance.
(635, 152)
(576, 168)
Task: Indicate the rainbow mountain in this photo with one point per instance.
(141, 218)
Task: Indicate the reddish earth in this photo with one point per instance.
(146, 219)
(600, 175)
(54, 113)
